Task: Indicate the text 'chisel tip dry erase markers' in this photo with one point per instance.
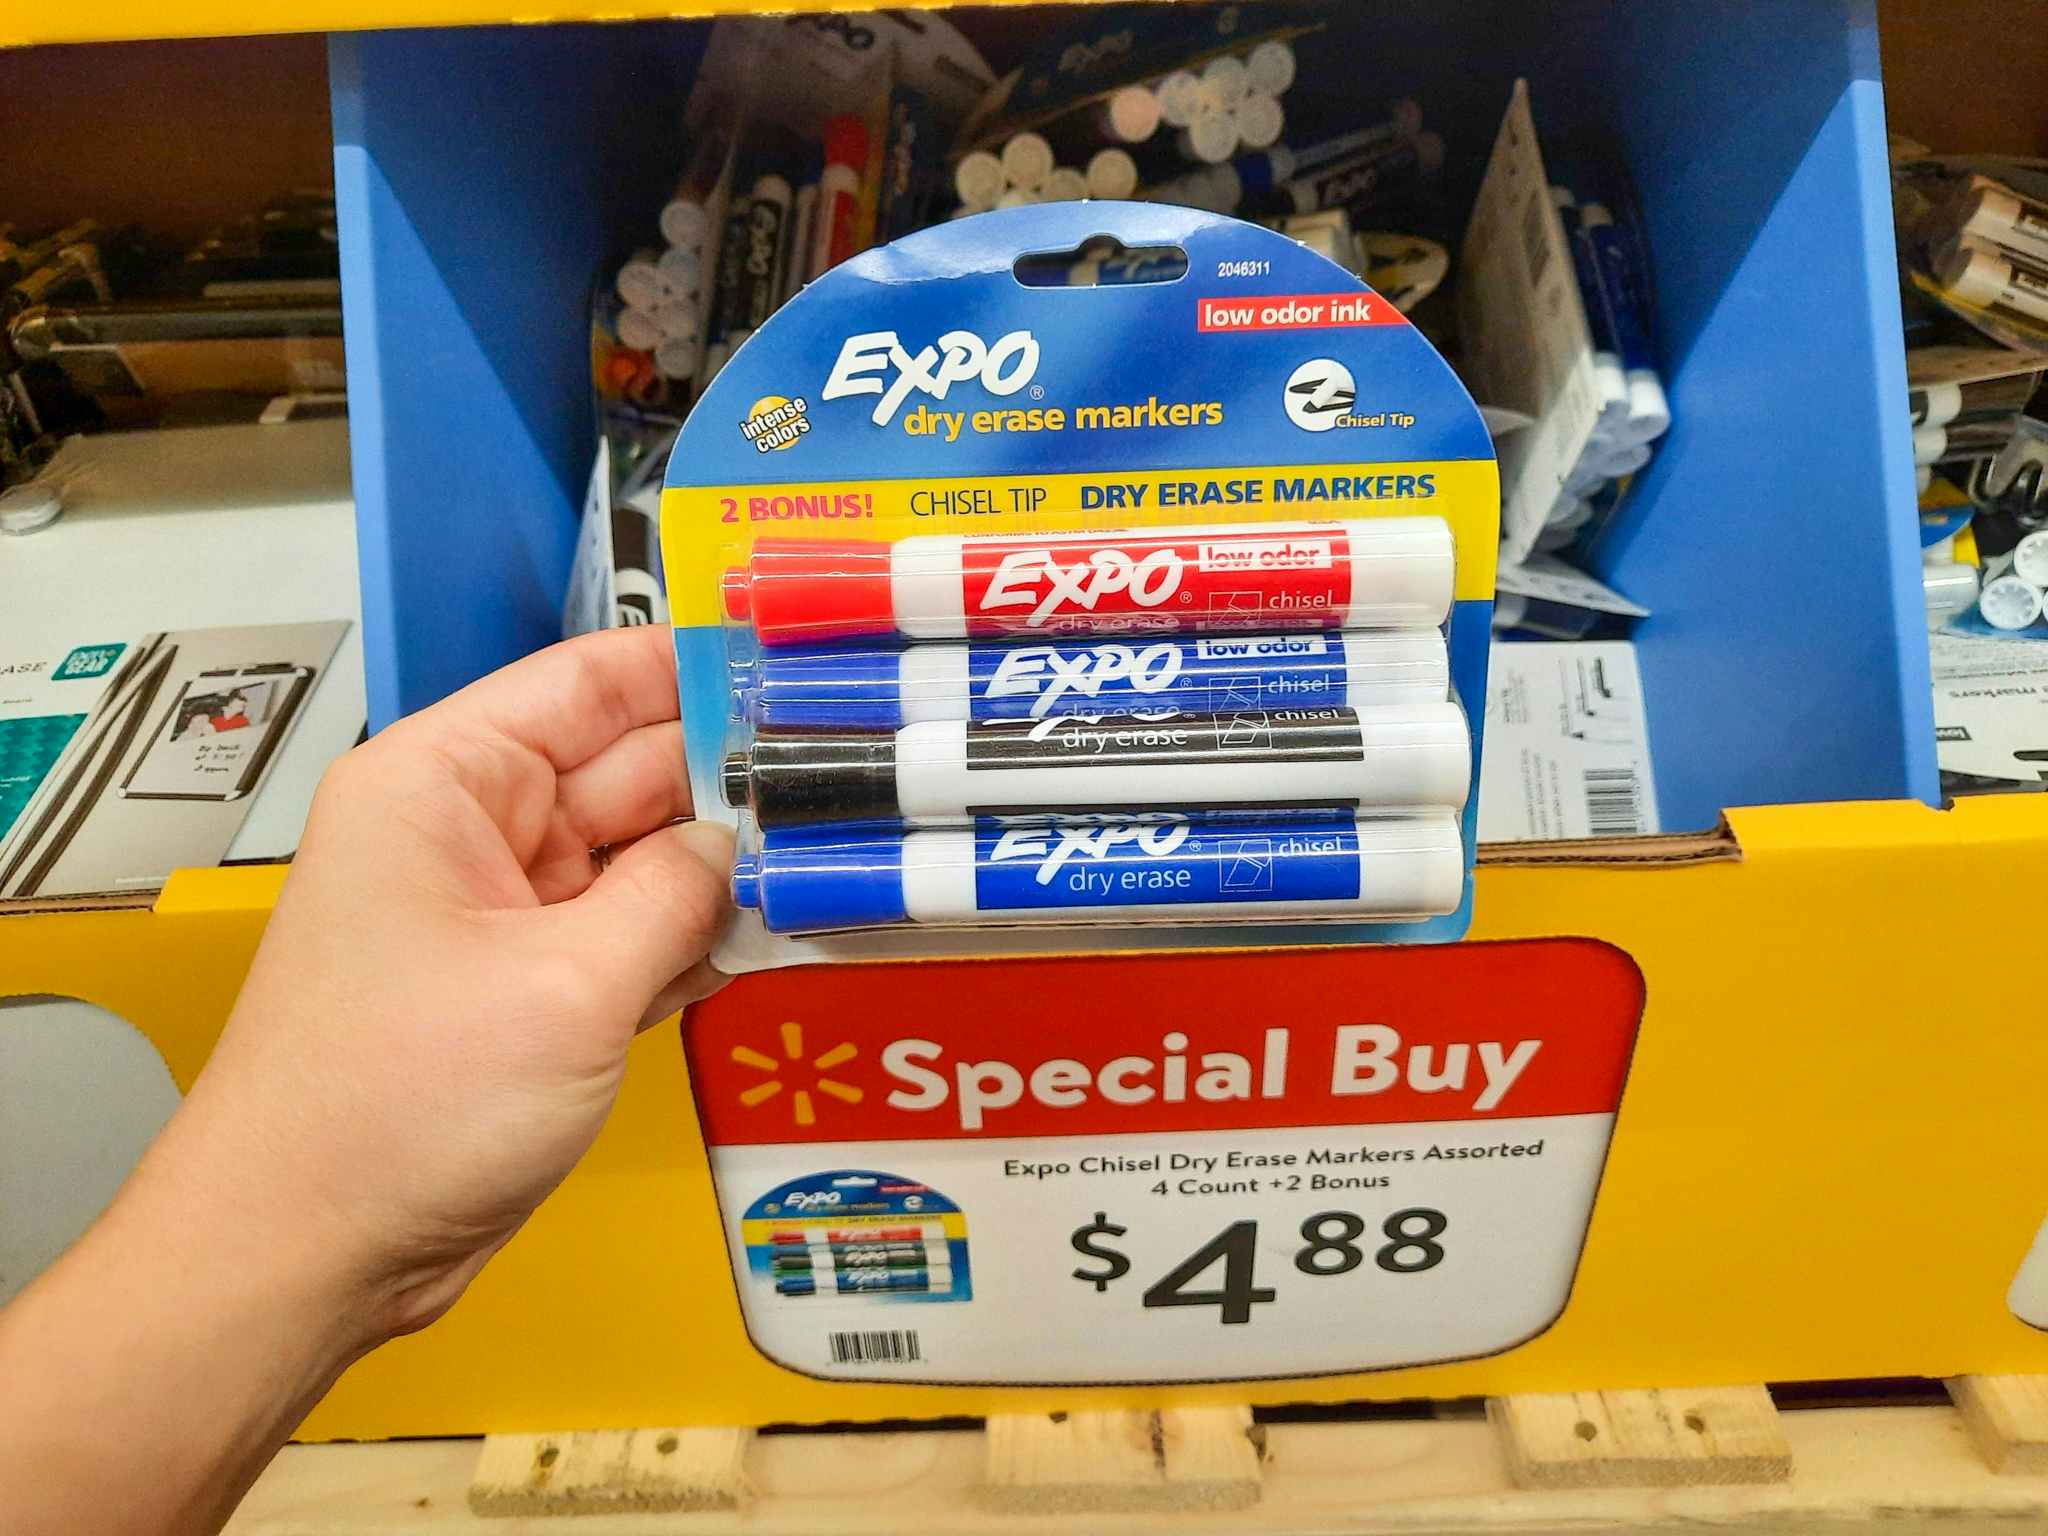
(1083, 609)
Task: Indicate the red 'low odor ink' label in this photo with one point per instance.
(1238, 580)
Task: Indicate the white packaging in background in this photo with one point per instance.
(1528, 346)
(1990, 710)
(614, 579)
(1548, 579)
(1567, 746)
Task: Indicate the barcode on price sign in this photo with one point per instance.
(1614, 802)
(875, 1346)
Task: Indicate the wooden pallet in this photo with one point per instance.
(1607, 1461)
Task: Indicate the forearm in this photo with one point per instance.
(151, 1374)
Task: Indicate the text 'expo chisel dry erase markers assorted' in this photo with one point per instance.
(1016, 616)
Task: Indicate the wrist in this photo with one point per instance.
(247, 1240)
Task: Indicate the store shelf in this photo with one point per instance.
(1813, 1078)
(474, 214)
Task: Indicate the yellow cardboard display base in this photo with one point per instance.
(1828, 1161)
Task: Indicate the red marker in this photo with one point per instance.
(923, 1231)
(835, 231)
(1367, 573)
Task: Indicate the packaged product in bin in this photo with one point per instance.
(1020, 617)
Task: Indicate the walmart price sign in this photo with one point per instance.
(1170, 1168)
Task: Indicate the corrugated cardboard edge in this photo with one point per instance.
(1662, 851)
(1666, 850)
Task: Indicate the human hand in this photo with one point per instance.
(436, 1023)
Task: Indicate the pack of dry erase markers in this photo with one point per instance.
(1013, 617)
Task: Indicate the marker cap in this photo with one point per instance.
(1211, 138)
(1180, 97)
(1112, 173)
(1227, 76)
(640, 284)
(2009, 603)
(638, 329)
(677, 319)
(979, 180)
(1132, 114)
(1260, 121)
(803, 778)
(678, 357)
(797, 592)
(808, 884)
(681, 269)
(1064, 185)
(1936, 404)
(2030, 558)
(1270, 66)
(1973, 274)
(1027, 160)
(684, 222)
(1649, 412)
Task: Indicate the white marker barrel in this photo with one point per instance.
(1990, 280)
(884, 689)
(1278, 870)
(1995, 213)
(946, 772)
(1242, 578)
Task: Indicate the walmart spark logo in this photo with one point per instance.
(800, 1106)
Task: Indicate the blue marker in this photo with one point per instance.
(866, 1282)
(1649, 413)
(889, 689)
(1152, 871)
(1609, 381)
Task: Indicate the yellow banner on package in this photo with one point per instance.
(705, 529)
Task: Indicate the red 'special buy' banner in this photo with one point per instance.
(1166, 1043)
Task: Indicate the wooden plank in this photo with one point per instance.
(1912, 1469)
(2007, 1417)
(609, 1471)
(1668, 1438)
(1184, 1458)
(1210, 1457)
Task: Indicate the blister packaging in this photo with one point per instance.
(1056, 619)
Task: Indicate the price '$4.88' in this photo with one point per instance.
(1330, 1246)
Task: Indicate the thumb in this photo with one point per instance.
(655, 911)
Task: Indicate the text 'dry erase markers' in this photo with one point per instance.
(989, 680)
(1409, 866)
(1247, 577)
(943, 772)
